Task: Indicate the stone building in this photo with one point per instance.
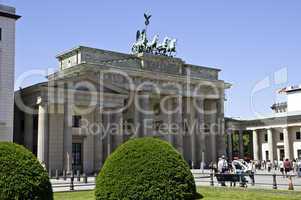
(8, 19)
(64, 120)
(275, 137)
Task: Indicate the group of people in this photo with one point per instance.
(222, 166)
(285, 166)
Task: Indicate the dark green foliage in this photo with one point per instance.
(146, 169)
(21, 175)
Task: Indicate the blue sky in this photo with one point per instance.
(248, 40)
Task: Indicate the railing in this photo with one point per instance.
(79, 181)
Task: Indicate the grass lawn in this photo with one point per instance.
(208, 193)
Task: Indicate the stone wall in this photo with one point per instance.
(7, 70)
(142, 62)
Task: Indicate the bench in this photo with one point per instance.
(232, 178)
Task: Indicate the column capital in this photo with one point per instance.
(41, 101)
(269, 129)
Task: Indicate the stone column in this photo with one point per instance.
(107, 118)
(213, 121)
(142, 118)
(168, 119)
(43, 137)
(241, 144)
(118, 120)
(270, 144)
(286, 141)
(200, 128)
(221, 140)
(68, 117)
(98, 141)
(255, 145)
(192, 131)
(28, 136)
(178, 119)
(88, 154)
(229, 144)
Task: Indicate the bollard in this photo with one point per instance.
(64, 175)
(85, 179)
(290, 183)
(78, 175)
(57, 174)
(211, 180)
(71, 181)
(274, 182)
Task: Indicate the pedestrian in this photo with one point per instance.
(281, 167)
(275, 165)
(299, 167)
(263, 165)
(222, 167)
(295, 167)
(252, 167)
(269, 165)
(259, 165)
(287, 166)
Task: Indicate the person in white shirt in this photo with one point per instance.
(281, 167)
(222, 165)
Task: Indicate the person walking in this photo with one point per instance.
(294, 165)
(222, 167)
(276, 165)
(263, 165)
(299, 167)
(287, 166)
(269, 165)
(281, 167)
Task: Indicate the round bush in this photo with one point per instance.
(21, 174)
(145, 168)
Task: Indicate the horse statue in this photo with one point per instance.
(171, 47)
(151, 46)
(141, 42)
(162, 48)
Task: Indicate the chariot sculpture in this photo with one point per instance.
(143, 45)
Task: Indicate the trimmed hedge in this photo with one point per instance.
(21, 174)
(145, 168)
